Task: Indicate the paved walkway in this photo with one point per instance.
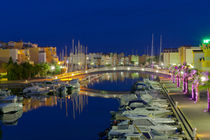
(194, 112)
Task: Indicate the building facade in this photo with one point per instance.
(170, 57)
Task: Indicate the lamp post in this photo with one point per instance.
(52, 69)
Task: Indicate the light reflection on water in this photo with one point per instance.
(76, 112)
(74, 103)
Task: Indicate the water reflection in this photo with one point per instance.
(116, 76)
(105, 85)
(93, 102)
(74, 103)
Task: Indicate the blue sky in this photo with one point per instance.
(106, 25)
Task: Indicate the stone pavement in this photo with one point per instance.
(194, 112)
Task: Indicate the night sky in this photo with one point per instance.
(106, 25)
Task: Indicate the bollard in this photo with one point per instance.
(194, 133)
(176, 104)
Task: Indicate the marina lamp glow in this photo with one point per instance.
(203, 78)
(52, 67)
(206, 41)
(182, 72)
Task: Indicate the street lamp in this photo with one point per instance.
(52, 67)
(203, 78)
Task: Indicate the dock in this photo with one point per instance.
(196, 120)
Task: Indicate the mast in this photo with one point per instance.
(152, 51)
(78, 54)
(160, 49)
(72, 56)
(63, 55)
(86, 58)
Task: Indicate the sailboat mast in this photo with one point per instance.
(160, 48)
(152, 53)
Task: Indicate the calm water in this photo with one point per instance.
(76, 117)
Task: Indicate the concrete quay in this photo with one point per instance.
(193, 112)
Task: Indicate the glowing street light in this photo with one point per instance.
(52, 67)
(206, 41)
(191, 66)
(203, 78)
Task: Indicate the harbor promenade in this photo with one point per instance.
(194, 112)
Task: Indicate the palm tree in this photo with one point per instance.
(178, 75)
(195, 74)
(172, 70)
(185, 77)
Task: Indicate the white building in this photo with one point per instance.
(170, 56)
(197, 56)
(42, 56)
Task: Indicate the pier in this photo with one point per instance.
(195, 119)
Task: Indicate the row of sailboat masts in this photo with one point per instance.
(77, 58)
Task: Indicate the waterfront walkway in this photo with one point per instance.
(194, 112)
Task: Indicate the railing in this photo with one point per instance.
(180, 116)
(107, 69)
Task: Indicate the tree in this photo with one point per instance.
(172, 70)
(27, 70)
(195, 74)
(41, 69)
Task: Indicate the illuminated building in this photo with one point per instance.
(42, 56)
(5, 54)
(206, 59)
(197, 58)
(51, 54)
(23, 55)
(134, 60)
(186, 54)
(143, 59)
(34, 54)
(170, 56)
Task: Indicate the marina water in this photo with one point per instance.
(76, 117)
